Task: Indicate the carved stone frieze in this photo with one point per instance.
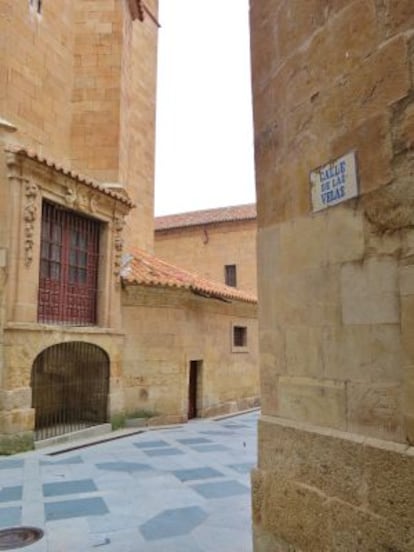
(93, 202)
(118, 225)
(31, 192)
(70, 196)
(76, 198)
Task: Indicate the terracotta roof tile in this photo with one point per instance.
(206, 216)
(20, 150)
(141, 268)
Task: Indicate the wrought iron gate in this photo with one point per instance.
(70, 384)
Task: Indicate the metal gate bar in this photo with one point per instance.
(70, 384)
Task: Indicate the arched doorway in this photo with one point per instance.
(70, 384)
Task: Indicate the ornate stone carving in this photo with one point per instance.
(83, 201)
(76, 198)
(70, 196)
(93, 203)
(119, 223)
(31, 193)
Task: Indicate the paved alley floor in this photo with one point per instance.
(181, 489)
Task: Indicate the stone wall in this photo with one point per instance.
(36, 68)
(137, 124)
(166, 329)
(335, 287)
(78, 81)
(207, 249)
(25, 181)
(97, 88)
(22, 344)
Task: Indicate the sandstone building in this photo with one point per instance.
(219, 244)
(91, 323)
(333, 83)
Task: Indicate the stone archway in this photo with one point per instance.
(70, 385)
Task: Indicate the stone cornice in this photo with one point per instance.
(43, 179)
(17, 155)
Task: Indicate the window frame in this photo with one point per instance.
(69, 261)
(230, 275)
(236, 347)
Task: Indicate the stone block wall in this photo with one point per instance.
(207, 249)
(335, 287)
(78, 81)
(165, 330)
(327, 490)
(22, 344)
(94, 133)
(137, 124)
(36, 62)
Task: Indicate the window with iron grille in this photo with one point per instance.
(68, 276)
(239, 336)
(230, 277)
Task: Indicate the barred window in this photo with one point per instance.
(230, 275)
(68, 267)
(239, 336)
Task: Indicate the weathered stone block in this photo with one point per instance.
(370, 353)
(308, 297)
(303, 244)
(390, 482)
(293, 512)
(407, 314)
(369, 292)
(13, 444)
(374, 164)
(16, 421)
(396, 17)
(408, 406)
(380, 244)
(269, 392)
(15, 399)
(383, 79)
(304, 351)
(272, 347)
(346, 40)
(408, 241)
(320, 459)
(320, 402)
(407, 280)
(375, 409)
(345, 231)
(409, 428)
(268, 542)
(404, 130)
(268, 249)
(359, 529)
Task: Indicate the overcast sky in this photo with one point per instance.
(204, 153)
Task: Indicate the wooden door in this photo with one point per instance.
(192, 389)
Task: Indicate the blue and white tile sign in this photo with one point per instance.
(334, 183)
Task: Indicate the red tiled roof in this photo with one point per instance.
(145, 269)
(207, 216)
(20, 150)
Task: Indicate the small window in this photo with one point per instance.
(230, 276)
(239, 336)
